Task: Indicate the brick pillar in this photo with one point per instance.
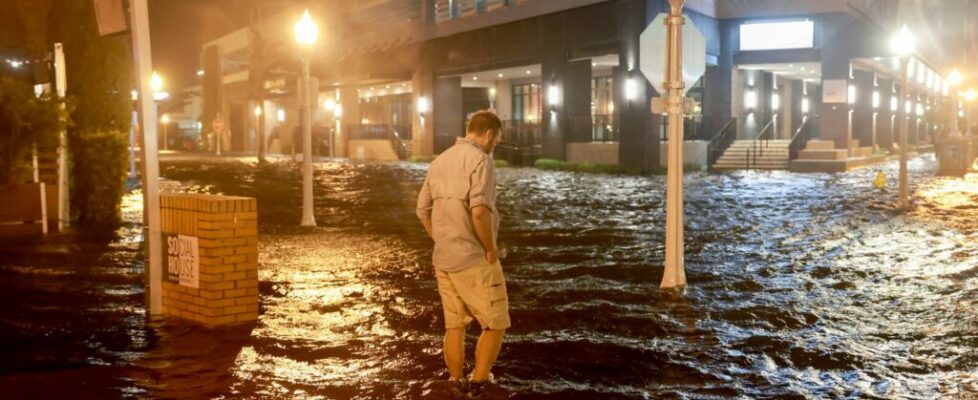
(226, 231)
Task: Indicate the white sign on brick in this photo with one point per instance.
(182, 260)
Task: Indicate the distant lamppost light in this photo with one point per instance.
(200, 72)
(903, 43)
(257, 111)
(281, 115)
(306, 30)
(955, 78)
(155, 82)
(329, 104)
(165, 119)
(970, 95)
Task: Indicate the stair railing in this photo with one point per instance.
(802, 135)
(720, 141)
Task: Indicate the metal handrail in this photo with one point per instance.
(759, 142)
(794, 145)
(721, 141)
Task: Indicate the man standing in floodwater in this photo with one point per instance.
(457, 206)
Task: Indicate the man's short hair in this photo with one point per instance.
(483, 121)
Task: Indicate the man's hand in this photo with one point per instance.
(482, 222)
(492, 257)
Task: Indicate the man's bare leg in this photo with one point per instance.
(486, 351)
(455, 351)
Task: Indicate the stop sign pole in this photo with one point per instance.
(675, 270)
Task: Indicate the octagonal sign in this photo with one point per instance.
(653, 53)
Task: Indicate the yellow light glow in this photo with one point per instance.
(970, 95)
(257, 111)
(329, 104)
(903, 43)
(155, 82)
(165, 119)
(955, 78)
(306, 30)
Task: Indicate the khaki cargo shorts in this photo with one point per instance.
(476, 292)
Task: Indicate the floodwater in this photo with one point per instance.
(800, 286)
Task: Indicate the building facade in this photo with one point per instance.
(564, 76)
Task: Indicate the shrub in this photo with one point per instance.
(99, 176)
(25, 121)
(417, 158)
(502, 164)
(557, 165)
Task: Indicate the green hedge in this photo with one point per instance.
(25, 121)
(99, 176)
(557, 165)
(421, 159)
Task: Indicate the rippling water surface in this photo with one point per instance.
(800, 286)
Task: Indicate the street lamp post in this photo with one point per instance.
(903, 45)
(969, 98)
(164, 120)
(306, 32)
(954, 80)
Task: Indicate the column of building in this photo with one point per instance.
(885, 113)
(834, 119)
(863, 108)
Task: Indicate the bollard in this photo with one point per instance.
(210, 264)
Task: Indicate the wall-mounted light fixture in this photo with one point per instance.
(805, 106)
(775, 101)
(750, 100)
(894, 103)
(631, 89)
(338, 111)
(281, 115)
(552, 94)
(876, 99)
(908, 107)
(329, 104)
(423, 105)
(920, 109)
(851, 94)
(257, 111)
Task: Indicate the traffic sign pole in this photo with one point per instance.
(147, 110)
(675, 271)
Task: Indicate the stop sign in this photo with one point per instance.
(653, 52)
(217, 124)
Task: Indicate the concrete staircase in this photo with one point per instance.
(773, 155)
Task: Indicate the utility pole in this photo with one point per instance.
(256, 75)
(61, 83)
(147, 110)
(675, 270)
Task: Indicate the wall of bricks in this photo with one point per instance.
(227, 232)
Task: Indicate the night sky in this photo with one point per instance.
(178, 29)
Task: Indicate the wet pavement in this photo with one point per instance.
(800, 286)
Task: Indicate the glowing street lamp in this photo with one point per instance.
(903, 45)
(156, 85)
(306, 33)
